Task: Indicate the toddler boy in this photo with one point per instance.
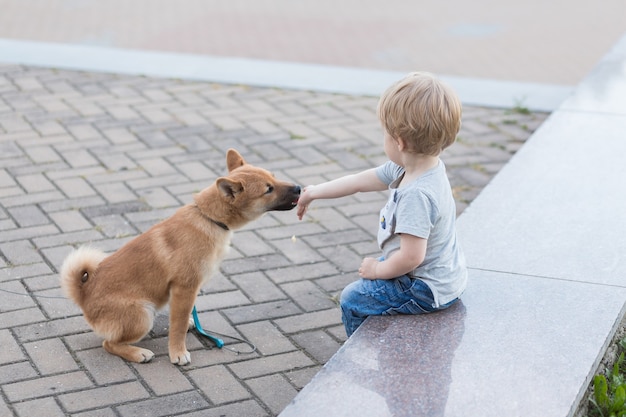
(422, 267)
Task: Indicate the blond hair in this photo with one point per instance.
(422, 111)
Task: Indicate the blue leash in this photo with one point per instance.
(216, 340)
(196, 321)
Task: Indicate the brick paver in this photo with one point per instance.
(99, 158)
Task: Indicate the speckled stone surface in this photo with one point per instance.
(515, 346)
(546, 246)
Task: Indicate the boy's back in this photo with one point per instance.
(425, 208)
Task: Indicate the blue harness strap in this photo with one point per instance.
(196, 321)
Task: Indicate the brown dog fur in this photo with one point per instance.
(120, 293)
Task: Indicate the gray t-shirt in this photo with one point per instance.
(424, 208)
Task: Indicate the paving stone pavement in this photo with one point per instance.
(98, 158)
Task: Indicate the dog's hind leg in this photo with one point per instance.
(129, 352)
(136, 323)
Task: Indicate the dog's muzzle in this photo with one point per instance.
(290, 200)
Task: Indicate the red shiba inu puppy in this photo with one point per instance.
(120, 293)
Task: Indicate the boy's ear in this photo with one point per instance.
(400, 143)
(228, 187)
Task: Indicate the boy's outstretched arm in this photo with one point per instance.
(350, 184)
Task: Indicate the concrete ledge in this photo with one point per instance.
(545, 242)
(289, 75)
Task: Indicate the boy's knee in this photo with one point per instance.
(349, 295)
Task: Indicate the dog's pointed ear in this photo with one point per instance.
(228, 187)
(234, 160)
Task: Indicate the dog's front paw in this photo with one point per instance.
(181, 359)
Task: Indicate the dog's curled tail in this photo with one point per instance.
(77, 269)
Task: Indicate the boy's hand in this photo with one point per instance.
(304, 201)
(368, 268)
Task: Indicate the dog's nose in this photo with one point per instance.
(297, 189)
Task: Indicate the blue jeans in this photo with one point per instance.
(402, 295)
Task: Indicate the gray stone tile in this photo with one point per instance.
(258, 287)
(27, 216)
(165, 405)
(219, 384)
(308, 296)
(20, 252)
(11, 351)
(70, 221)
(46, 386)
(248, 408)
(273, 390)
(162, 377)
(20, 317)
(104, 368)
(50, 356)
(44, 407)
(565, 197)
(18, 371)
(103, 396)
(318, 344)
(270, 364)
(266, 337)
